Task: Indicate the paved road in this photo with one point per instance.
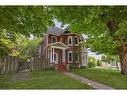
(91, 83)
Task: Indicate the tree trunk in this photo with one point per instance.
(123, 58)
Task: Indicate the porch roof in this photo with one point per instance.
(58, 45)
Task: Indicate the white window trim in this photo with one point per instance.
(71, 56)
(77, 40)
(52, 39)
(70, 37)
(56, 62)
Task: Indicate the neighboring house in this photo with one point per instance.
(60, 47)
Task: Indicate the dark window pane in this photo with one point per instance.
(70, 56)
(76, 40)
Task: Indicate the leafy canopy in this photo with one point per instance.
(92, 21)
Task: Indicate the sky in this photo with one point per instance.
(58, 24)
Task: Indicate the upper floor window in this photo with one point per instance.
(53, 39)
(69, 40)
(76, 40)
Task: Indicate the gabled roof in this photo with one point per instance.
(59, 31)
(56, 30)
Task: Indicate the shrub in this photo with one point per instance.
(83, 67)
(50, 68)
(91, 64)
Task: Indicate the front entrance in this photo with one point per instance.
(61, 66)
(54, 49)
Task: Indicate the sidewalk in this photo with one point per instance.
(91, 83)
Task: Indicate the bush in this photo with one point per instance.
(83, 67)
(50, 69)
(91, 64)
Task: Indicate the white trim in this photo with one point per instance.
(77, 40)
(53, 54)
(58, 47)
(55, 61)
(71, 57)
(70, 37)
(65, 46)
(63, 55)
(52, 39)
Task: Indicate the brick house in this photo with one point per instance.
(59, 47)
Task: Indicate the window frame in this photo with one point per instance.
(70, 37)
(52, 39)
(55, 55)
(69, 57)
(77, 40)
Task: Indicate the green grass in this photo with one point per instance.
(43, 79)
(108, 77)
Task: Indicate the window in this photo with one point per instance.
(70, 57)
(69, 40)
(53, 39)
(76, 40)
(55, 58)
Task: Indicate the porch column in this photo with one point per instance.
(63, 55)
(53, 54)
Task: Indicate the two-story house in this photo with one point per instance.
(61, 47)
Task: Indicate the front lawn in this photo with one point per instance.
(108, 77)
(43, 79)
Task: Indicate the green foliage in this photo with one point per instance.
(92, 21)
(6, 42)
(89, 20)
(91, 62)
(27, 47)
(23, 20)
(109, 58)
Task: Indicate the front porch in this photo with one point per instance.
(56, 53)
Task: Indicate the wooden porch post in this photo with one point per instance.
(53, 55)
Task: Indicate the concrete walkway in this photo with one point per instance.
(91, 83)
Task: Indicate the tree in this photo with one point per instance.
(27, 47)
(104, 26)
(25, 20)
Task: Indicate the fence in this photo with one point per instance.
(8, 64)
(37, 63)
